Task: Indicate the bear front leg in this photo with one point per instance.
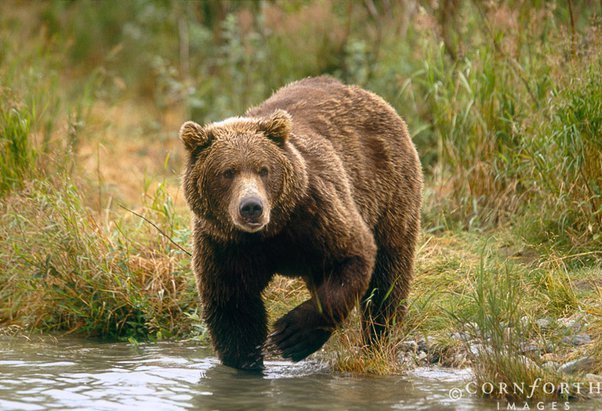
(307, 327)
(238, 328)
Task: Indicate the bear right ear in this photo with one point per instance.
(193, 135)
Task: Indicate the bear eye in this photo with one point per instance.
(229, 173)
(263, 172)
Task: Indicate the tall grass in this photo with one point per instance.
(17, 155)
(496, 104)
(498, 326)
(566, 156)
(62, 270)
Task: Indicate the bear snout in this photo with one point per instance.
(251, 209)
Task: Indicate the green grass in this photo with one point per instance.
(504, 102)
(17, 155)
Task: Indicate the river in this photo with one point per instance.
(75, 374)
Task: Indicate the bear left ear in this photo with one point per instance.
(277, 127)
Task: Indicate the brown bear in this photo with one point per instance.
(321, 181)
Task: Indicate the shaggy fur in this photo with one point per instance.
(340, 182)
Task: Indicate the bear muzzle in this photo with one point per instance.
(249, 210)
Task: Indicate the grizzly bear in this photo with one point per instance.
(321, 181)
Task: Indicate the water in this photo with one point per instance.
(73, 374)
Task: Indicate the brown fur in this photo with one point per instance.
(341, 186)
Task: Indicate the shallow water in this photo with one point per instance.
(73, 374)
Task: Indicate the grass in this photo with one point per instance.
(63, 270)
(17, 156)
(507, 122)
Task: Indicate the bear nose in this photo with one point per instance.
(251, 209)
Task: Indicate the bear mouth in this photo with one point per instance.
(251, 227)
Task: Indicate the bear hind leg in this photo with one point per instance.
(384, 303)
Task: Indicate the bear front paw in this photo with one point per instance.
(251, 363)
(297, 336)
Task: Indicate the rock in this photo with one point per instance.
(549, 357)
(575, 324)
(406, 359)
(525, 321)
(551, 365)
(529, 348)
(422, 356)
(409, 345)
(476, 349)
(459, 336)
(434, 357)
(576, 340)
(544, 323)
(422, 346)
(579, 365)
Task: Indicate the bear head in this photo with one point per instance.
(243, 175)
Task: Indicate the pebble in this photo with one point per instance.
(410, 345)
(551, 365)
(544, 323)
(576, 340)
(529, 347)
(405, 359)
(549, 357)
(576, 366)
(459, 336)
(576, 323)
(434, 358)
(476, 349)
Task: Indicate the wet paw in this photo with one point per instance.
(252, 363)
(296, 337)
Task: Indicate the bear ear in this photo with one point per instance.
(194, 135)
(277, 127)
